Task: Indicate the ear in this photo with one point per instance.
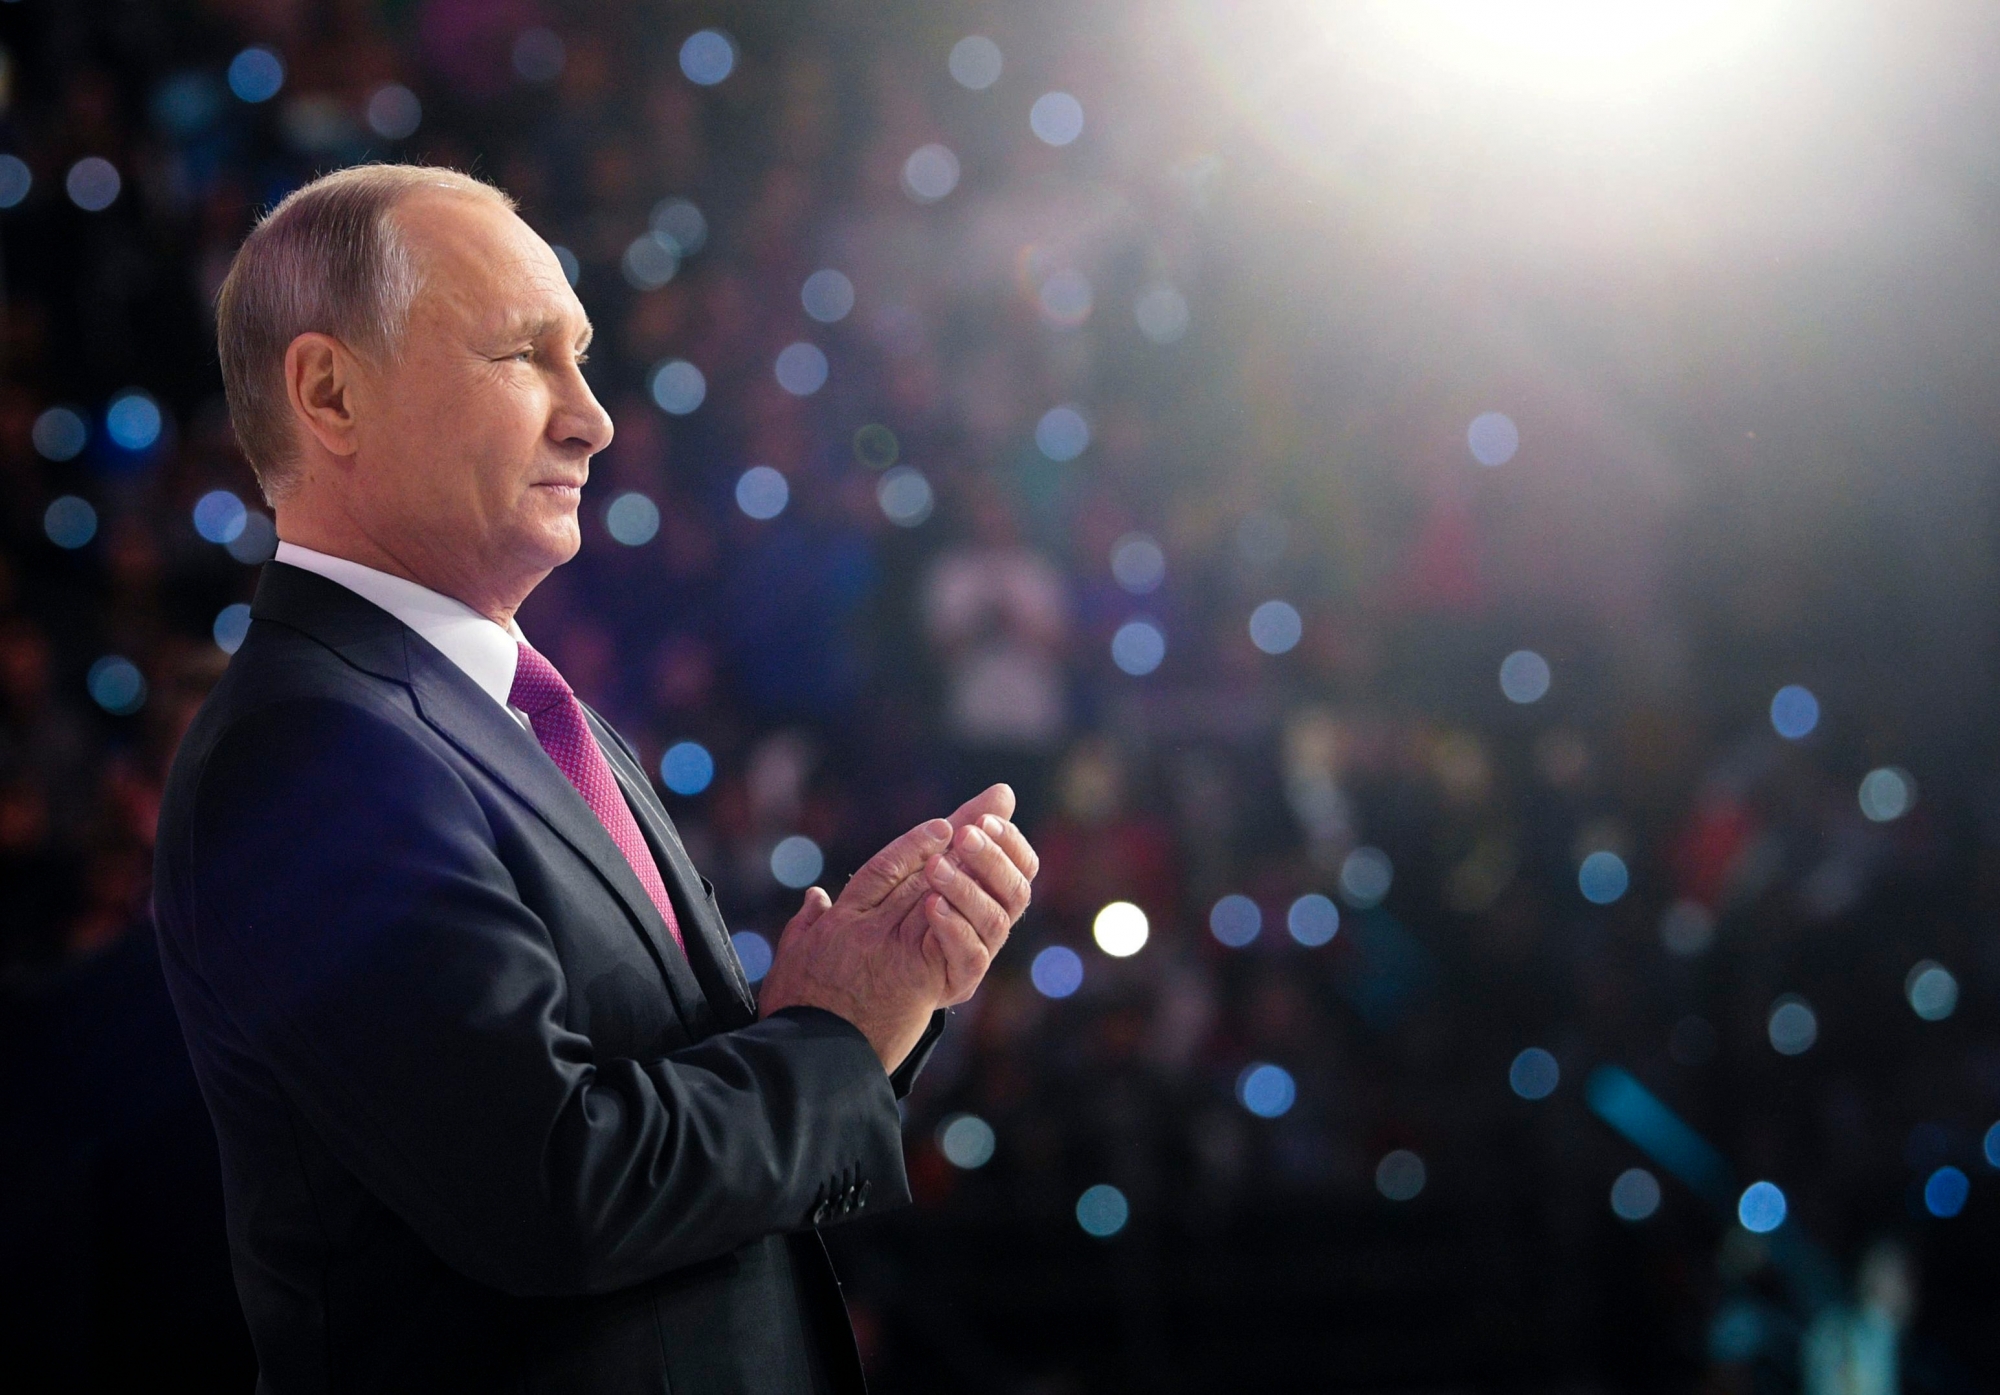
(320, 382)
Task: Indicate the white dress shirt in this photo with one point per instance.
(484, 650)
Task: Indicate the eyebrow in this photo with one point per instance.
(546, 325)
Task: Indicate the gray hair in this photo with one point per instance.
(330, 259)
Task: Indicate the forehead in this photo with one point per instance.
(482, 268)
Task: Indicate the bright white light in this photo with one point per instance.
(1584, 47)
(1120, 929)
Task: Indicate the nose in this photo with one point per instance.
(579, 420)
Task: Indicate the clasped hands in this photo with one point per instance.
(913, 931)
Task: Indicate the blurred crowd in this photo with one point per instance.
(956, 442)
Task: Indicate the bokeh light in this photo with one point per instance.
(930, 173)
(1761, 1208)
(1062, 433)
(827, 296)
(966, 1140)
(1137, 564)
(1493, 438)
(632, 518)
(1794, 712)
(1275, 627)
(1945, 1192)
(708, 56)
(572, 269)
(1990, 1145)
(69, 521)
(1400, 1176)
(1234, 920)
(116, 685)
(687, 768)
(1120, 929)
(393, 112)
(762, 492)
(1065, 298)
(1102, 1211)
(650, 261)
(1056, 972)
(1266, 1090)
(59, 434)
(93, 184)
(256, 74)
(801, 369)
(1887, 793)
(1635, 1196)
(754, 952)
(682, 224)
(1932, 991)
(678, 387)
(1792, 1026)
(1161, 313)
(1524, 676)
(905, 496)
(219, 516)
(1138, 647)
(1312, 920)
(1603, 878)
(1366, 875)
(1056, 118)
(1534, 1074)
(975, 62)
(876, 446)
(1687, 928)
(258, 540)
(133, 420)
(539, 54)
(16, 179)
(797, 862)
(231, 627)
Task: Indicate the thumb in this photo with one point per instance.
(888, 869)
(815, 906)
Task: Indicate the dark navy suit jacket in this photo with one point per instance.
(483, 1125)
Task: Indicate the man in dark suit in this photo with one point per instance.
(497, 1108)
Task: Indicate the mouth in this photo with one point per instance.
(569, 493)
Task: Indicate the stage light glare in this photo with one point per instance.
(1583, 46)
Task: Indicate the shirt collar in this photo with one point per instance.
(484, 650)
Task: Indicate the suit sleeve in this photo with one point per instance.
(354, 918)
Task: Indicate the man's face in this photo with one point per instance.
(475, 438)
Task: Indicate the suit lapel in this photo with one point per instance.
(715, 962)
(461, 712)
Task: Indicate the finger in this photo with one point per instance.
(815, 906)
(1014, 843)
(983, 860)
(994, 799)
(882, 873)
(970, 900)
(966, 956)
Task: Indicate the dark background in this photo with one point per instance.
(1734, 286)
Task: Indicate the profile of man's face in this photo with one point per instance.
(478, 432)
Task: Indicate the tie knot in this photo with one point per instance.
(537, 685)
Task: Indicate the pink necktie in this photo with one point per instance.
(557, 718)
